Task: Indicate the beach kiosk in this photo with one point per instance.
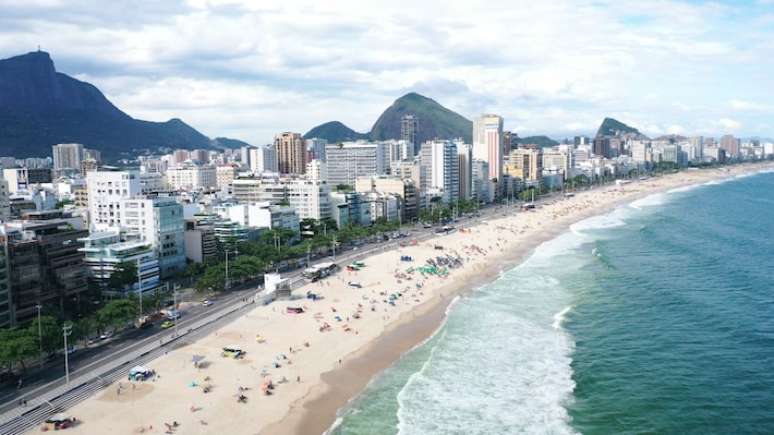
(276, 285)
(59, 421)
(140, 373)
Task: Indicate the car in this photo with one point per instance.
(106, 335)
(207, 302)
(167, 324)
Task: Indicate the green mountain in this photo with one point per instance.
(224, 143)
(610, 127)
(435, 121)
(334, 131)
(40, 107)
(541, 141)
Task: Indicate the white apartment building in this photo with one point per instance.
(317, 170)
(350, 160)
(106, 190)
(159, 221)
(439, 170)
(263, 159)
(192, 177)
(5, 208)
(104, 251)
(555, 160)
(261, 215)
(310, 199)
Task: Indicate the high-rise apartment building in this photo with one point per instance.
(106, 189)
(488, 143)
(439, 170)
(465, 170)
(67, 156)
(159, 221)
(24, 178)
(526, 164)
(192, 177)
(263, 159)
(409, 127)
(731, 145)
(5, 207)
(350, 160)
(601, 146)
(316, 148)
(291, 153)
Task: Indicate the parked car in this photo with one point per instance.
(167, 324)
(207, 302)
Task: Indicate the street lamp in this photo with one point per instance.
(139, 284)
(228, 282)
(67, 329)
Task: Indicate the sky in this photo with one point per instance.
(251, 69)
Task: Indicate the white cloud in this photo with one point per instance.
(742, 105)
(249, 69)
(727, 124)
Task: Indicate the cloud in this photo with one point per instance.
(729, 125)
(249, 69)
(742, 105)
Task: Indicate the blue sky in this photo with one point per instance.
(251, 69)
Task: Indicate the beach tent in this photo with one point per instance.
(196, 359)
(139, 373)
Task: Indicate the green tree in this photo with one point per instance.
(124, 275)
(117, 313)
(16, 346)
(51, 333)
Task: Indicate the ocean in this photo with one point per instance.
(656, 318)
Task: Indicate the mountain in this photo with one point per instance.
(435, 121)
(610, 127)
(334, 131)
(541, 141)
(40, 107)
(224, 143)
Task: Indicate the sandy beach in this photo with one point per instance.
(317, 360)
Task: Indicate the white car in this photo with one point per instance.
(207, 302)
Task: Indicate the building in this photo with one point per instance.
(192, 177)
(350, 160)
(315, 147)
(260, 189)
(402, 188)
(730, 145)
(350, 208)
(158, 220)
(317, 170)
(439, 170)
(5, 214)
(310, 199)
(641, 152)
(45, 266)
(67, 156)
(106, 189)
(261, 215)
(291, 153)
(263, 159)
(601, 146)
(6, 317)
(88, 165)
(558, 161)
(525, 164)
(488, 143)
(384, 206)
(92, 154)
(104, 252)
(465, 170)
(409, 127)
(482, 189)
(24, 178)
(224, 175)
(201, 246)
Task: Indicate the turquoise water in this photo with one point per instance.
(655, 318)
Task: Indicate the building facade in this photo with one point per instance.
(488, 143)
(291, 153)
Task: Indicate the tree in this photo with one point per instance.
(51, 333)
(16, 346)
(124, 275)
(116, 313)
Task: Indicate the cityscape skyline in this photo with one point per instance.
(670, 67)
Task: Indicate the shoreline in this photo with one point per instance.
(334, 366)
(319, 410)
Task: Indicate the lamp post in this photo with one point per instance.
(139, 284)
(67, 329)
(40, 336)
(174, 302)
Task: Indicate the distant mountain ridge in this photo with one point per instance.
(435, 122)
(40, 107)
(611, 127)
(541, 141)
(335, 131)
